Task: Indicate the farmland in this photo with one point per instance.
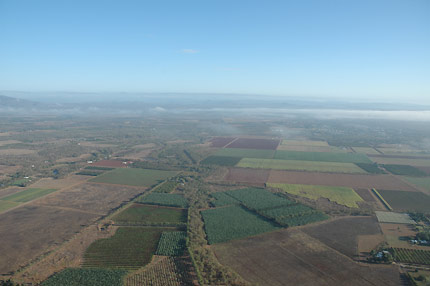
(138, 214)
(133, 177)
(86, 277)
(405, 170)
(254, 143)
(407, 201)
(246, 175)
(220, 161)
(166, 187)
(130, 248)
(371, 168)
(366, 150)
(224, 224)
(222, 199)
(28, 195)
(220, 141)
(322, 157)
(355, 181)
(340, 195)
(258, 199)
(172, 243)
(5, 205)
(171, 200)
(390, 217)
(401, 161)
(276, 164)
(248, 153)
(305, 143)
(413, 256)
(421, 182)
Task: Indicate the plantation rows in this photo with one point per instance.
(301, 220)
(172, 243)
(258, 199)
(416, 256)
(168, 271)
(171, 200)
(86, 277)
(166, 187)
(222, 199)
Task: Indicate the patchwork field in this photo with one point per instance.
(390, 217)
(356, 181)
(141, 214)
(246, 175)
(331, 167)
(86, 277)
(220, 161)
(253, 143)
(248, 153)
(133, 177)
(366, 150)
(263, 260)
(28, 195)
(322, 157)
(36, 229)
(224, 224)
(93, 198)
(130, 248)
(221, 141)
(416, 162)
(343, 234)
(414, 256)
(340, 195)
(371, 168)
(407, 201)
(420, 182)
(170, 200)
(405, 170)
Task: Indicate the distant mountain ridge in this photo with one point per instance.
(13, 102)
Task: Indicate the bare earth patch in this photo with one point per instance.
(50, 183)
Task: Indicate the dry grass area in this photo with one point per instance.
(355, 181)
(342, 234)
(8, 170)
(16, 152)
(397, 235)
(10, 191)
(82, 157)
(93, 198)
(50, 183)
(70, 254)
(30, 231)
(291, 255)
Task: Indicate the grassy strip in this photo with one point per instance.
(28, 195)
(381, 198)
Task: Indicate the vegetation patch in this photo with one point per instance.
(28, 195)
(166, 187)
(171, 200)
(224, 224)
(5, 205)
(407, 201)
(366, 150)
(415, 256)
(294, 215)
(172, 243)
(86, 277)
(133, 177)
(138, 214)
(222, 199)
(322, 156)
(305, 143)
(276, 164)
(221, 161)
(254, 143)
(405, 170)
(371, 168)
(391, 217)
(130, 248)
(340, 195)
(258, 199)
(245, 153)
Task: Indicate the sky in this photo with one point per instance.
(377, 49)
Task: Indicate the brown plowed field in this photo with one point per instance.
(29, 231)
(342, 234)
(365, 195)
(221, 141)
(109, 164)
(252, 143)
(245, 175)
(290, 257)
(356, 181)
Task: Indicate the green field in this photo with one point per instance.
(248, 153)
(294, 215)
(366, 150)
(166, 187)
(415, 256)
(421, 182)
(224, 224)
(404, 170)
(130, 248)
(28, 195)
(305, 143)
(5, 205)
(220, 161)
(322, 156)
(257, 199)
(407, 201)
(86, 277)
(222, 199)
(419, 162)
(161, 199)
(311, 166)
(143, 214)
(340, 195)
(133, 177)
(391, 217)
(172, 243)
(371, 168)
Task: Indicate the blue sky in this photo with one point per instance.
(376, 49)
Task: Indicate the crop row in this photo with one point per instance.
(172, 243)
(86, 277)
(166, 187)
(258, 199)
(171, 200)
(416, 256)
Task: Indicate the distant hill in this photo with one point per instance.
(12, 102)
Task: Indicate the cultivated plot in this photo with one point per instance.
(322, 157)
(148, 214)
(86, 277)
(254, 143)
(420, 182)
(340, 195)
(366, 150)
(246, 175)
(417, 162)
(28, 195)
(407, 201)
(220, 141)
(133, 177)
(391, 217)
(242, 153)
(162, 199)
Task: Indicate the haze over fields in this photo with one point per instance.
(185, 143)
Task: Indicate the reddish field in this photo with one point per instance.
(110, 164)
(290, 257)
(342, 234)
(220, 141)
(383, 182)
(365, 195)
(245, 175)
(252, 143)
